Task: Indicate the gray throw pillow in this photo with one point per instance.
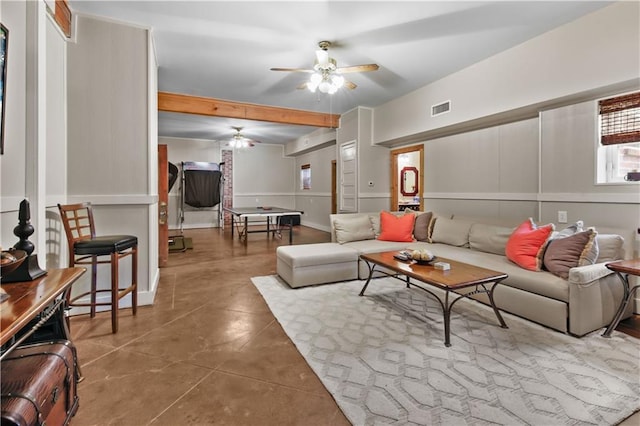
(421, 226)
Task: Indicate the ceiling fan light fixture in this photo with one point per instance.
(337, 80)
(325, 86)
(325, 74)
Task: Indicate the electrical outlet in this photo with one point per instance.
(562, 216)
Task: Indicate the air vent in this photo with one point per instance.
(441, 108)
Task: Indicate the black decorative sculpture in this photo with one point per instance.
(29, 269)
(24, 229)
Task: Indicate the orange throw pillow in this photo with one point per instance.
(526, 245)
(396, 228)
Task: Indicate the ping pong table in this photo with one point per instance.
(271, 215)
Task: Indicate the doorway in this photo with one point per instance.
(407, 178)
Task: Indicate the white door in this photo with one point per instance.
(348, 177)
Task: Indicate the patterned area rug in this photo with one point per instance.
(382, 357)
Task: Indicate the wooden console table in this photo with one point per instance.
(40, 300)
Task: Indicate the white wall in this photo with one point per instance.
(34, 163)
(315, 140)
(490, 173)
(263, 176)
(112, 144)
(597, 53)
(13, 164)
(373, 161)
(56, 144)
(316, 202)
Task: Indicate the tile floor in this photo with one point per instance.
(208, 351)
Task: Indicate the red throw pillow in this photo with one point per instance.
(526, 245)
(396, 228)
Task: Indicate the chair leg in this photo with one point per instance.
(114, 292)
(94, 280)
(134, 280)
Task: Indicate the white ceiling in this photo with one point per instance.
(225, 49)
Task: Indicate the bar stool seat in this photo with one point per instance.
(101, 246)
(85, 248)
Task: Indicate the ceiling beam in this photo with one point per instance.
(175, 102)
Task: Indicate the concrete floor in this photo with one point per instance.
(208, 351)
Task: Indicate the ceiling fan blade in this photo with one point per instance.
(292, 70)
(303, 85)
(350, 85)
(322, 56)
(358, 68)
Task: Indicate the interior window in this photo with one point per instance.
(305, 176)
(619, 145)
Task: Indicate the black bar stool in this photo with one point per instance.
(85, 248)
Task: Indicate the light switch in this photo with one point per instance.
(562, 216)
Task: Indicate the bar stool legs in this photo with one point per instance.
(85, 248)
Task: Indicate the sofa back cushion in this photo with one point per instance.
(610, 247)
(489, 238)
(451, 231)
(396, 228)
(526, 244)
(355, 228)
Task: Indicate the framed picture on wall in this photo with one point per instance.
(4, 44)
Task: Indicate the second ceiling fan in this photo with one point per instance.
(326, 76)
(238, 140)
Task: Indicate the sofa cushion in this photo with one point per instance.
(610, 247)
(396, 228)
(525, 246)
(311, 255)
(565, 253)
(355, 228)
(451, 231)
(421, 226)
(541, 282)
(375, 246)
(489, 238)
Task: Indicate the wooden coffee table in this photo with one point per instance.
(460, 276)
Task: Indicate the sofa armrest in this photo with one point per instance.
(585, 275)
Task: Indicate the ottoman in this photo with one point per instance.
(309, 264)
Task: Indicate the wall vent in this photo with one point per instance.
(440, 108)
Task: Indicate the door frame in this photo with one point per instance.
(163, 206)
(394, 174)
(334, 187)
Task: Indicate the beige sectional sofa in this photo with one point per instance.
(586, 301)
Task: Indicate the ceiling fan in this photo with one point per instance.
(326, 76)
(238, 140)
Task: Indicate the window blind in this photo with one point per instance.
(620, 119)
